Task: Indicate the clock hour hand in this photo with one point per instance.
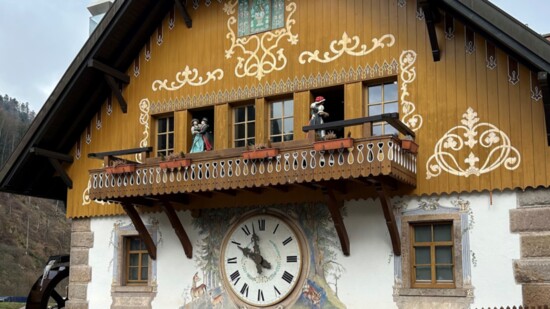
(255, 240)
(257, 258)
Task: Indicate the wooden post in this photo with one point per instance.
(141, 229)
(334, 208)
(178, 228)
(390, 218)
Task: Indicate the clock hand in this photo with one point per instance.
(256, 258)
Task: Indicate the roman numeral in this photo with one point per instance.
(246, 230)
(244, 290)
(277, 293)
(236, 243)
(275, 230)
(289, 259)
(235, 276)
(233, 260)
(287, 277)
(261, 224)
(287, 241)
(260, 295)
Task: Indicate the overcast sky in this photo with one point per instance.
(40, 38)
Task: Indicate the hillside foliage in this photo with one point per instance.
(31, 229)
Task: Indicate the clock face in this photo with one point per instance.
(262, 259)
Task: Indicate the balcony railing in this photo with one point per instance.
(374, 156)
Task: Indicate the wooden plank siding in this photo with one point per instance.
(441, 91)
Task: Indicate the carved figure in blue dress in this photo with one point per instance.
(198, 142)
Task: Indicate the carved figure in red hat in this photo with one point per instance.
(318, 113)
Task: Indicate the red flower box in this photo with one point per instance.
(333, 144)
(410, 146)
(260, 153)
(175, 163)
(121, 169)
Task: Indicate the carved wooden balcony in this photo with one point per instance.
(228, 170)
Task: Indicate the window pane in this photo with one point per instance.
(171, 124)
(375, 110)
(171, 141)
(376, 129)
(276, 139)
(444, 273)
(391, 108)
(289, 137)
(442, 232)
(239, 114)
(134, 243)
(275, 126)
(239, 131)
(390, 92)
(239, 143)
(277, 110)
(134, 259)
(444, 255)
(423, 273)
(144, 273)
(388, 129)
(289, 125)
(289, 108)
(375, 94)
(144, 259)
(422, 233)
(161, 125)
(422, 255)
(133, 273)
(251, 141)
(250, 131)
(162, 142)
(251, 112)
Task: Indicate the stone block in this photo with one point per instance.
(534, 198)
(81, 225)
(530, 220)
(536, 294)
(76, 304)
(532, 270)
(82, 239)
(79, 256)
(78, 291)
(535, 245)
(80, 274)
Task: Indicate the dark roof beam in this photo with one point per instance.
(141, 229)
(432, 17)
(178, 228)
(545, 88)
(334, 207)
(391, 223)
(110, 74)
(184, 13)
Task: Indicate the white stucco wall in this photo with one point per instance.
(369, 270)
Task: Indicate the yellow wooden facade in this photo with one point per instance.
(348, 44)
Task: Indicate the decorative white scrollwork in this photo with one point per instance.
(144, 107)
(187, 77)
(265, 56)
(488, 136)
(408, 75)
(351, 46)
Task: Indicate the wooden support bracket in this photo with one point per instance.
(390, 218)
(178, 228)
(432, 17)
(334, 208)
(184, 13)
(142, 230)
(54, 158)
(110, 74)
(545, 88)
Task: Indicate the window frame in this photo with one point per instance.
(165, 134)
(383, 103)
(433, 284)
(141, 252)
(282, 100)
(246, 122)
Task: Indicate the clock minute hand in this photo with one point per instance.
(258, 260)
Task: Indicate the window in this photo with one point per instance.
(260, 15)
(432, 255)
(244, 125)
(137, 261)
(281, 120)
(165, 136)
(382, 99)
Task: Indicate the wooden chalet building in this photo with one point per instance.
(277, 214)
